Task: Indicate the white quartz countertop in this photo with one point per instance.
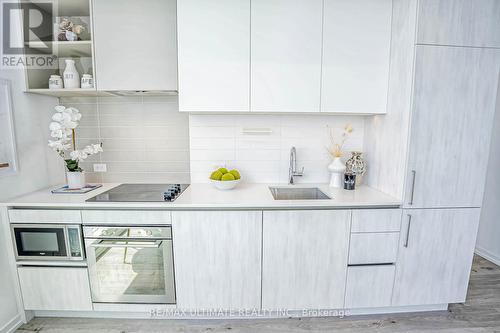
(205, 196)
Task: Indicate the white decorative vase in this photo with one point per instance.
(76, 179)
(337, 169)
(70, 75)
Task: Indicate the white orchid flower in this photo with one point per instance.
(57, 117)
(57, 134)
(54, 126)
(71, 124)
(60, 108)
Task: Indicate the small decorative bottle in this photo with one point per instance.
(356, 165)
(71, 76)
(55, 82)
(87, 81)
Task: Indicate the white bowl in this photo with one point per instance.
(225, 185)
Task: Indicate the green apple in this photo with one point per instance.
(227, 176)
(235, 173)
(216, 175)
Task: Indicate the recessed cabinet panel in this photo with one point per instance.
(459, 22)
(304, 259)
(455, 97)
(286, 55)
(369, 286)
(214, 55)
(135, 44)
(376, 220)
(217, 259)
(55, 288)
(373, 248)
(356, 52)
(435, 256)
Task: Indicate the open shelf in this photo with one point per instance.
(65, 49)
(78, 92)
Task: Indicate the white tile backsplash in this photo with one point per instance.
(230, 140)
(145, 139)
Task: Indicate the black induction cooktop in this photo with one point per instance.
(141, 193)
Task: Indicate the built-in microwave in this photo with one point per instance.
(47, 241)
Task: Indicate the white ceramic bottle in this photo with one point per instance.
(70, 75)
(87, 81)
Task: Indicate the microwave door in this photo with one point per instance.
(40, 242)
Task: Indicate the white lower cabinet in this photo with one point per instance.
(217, 259)
(435, 256)
(304, 259)
(369, 286)
(55, 288)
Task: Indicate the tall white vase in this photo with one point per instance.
(70, 75)
(337, 169)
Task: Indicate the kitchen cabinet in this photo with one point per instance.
(373, 248)
(304, 261)
(455, 96)
(369, 286)
(217, 259)
(286, 55)
(214, 55)
(135, 44)
(435, 256)
(459, 22)
(356, 53)
(55, 288)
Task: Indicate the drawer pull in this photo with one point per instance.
(412, 193)
(408, 231)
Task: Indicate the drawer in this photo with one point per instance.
(45, 216)
(55, 288)
(373, 248)
(369, 286)
(132, 217)
(376, 220)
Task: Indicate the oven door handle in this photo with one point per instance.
(156, 245)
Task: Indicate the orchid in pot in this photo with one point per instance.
(62, 130)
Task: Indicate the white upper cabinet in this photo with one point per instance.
(455, 96)
(135, 44)
(356, 51)
(459, 22)
(214, 55)
(286, 55)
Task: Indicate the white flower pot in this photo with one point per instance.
(76, 180)
(337, 169)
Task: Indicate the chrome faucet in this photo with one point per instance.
(292, 170)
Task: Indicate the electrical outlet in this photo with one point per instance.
(100, 168)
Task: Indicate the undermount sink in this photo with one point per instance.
(298, 193)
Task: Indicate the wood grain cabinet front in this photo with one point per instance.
(55, 288)
(304, 259)
(217, 259)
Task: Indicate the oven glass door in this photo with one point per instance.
(131, 271)
(40, 241)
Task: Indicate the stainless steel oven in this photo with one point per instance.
(130, 264)
(47, 242)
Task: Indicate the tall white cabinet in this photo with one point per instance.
(214, 55)
(135, 44)
(455, 91)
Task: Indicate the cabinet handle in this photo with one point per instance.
(414, 175)
(408, 231)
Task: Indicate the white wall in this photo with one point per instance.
(145, 139)
(220, 140)
(488, 238)
(38, 167)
